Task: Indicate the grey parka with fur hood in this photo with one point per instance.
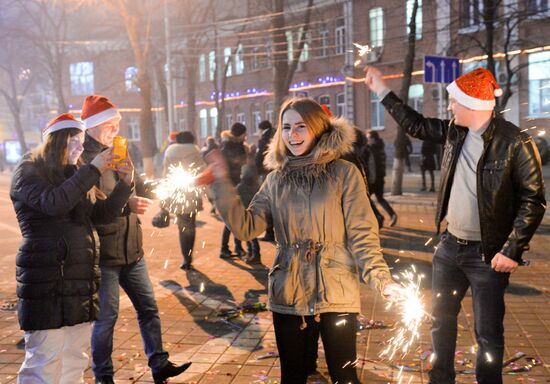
(327, 235)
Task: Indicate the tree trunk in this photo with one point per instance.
(489, 20)
(400, 142)
(279, 56)
(146, 127)
(191, 77)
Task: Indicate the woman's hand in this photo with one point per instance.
(103, 161)
(217, 163)
(393, 292)
(125, 169)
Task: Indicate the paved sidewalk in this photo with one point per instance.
(227, 352)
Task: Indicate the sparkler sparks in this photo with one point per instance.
(412, 313)
(177, 190)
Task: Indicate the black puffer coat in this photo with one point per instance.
(57, 263)
(510, 186)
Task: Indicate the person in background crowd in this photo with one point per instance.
(247, 188)
(121, 257)
(209, 145)
(428, 163)
(267, 135)
(376, 148)
(57, 263)
(409, 150)
(493, 199)
(186, 154)
(315, 276)
(235, 151)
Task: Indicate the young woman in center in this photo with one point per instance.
(326, 232)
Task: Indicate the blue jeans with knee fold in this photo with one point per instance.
(457, 267)
(135, 281)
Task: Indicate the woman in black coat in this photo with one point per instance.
(57, 263)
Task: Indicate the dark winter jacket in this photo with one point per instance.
(263, 144)
(359, 155)
(57, 263)
(121, 238)
(510, 186)
(249, 185)
(235, 153)
(378, 154)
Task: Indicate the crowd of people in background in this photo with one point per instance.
(77, 203)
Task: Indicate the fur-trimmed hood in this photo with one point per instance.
(333, 144)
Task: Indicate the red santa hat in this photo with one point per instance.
(475, 90)
(98, 109)
(63, 121)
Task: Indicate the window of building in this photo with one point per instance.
(418, 19)
(470, 13)
(182, 124)
(256, 114)
(340, 104)
(340, 37)
(211, 65)
(130, 79)
(269, 111)
(229, 119)
(538, 8)
(304, 56)
(227, 61)
(241, 117)
(324, 99)
(213, 120)
(255, 62)
(268, 52)
(376, 18)
(376, 113)
(323, 37)
(239, 62)
(416, 97)
(203, 122)
(539, 84)
(82, 78)
(202, 68)
(133, 128)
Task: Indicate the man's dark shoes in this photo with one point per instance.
(169, 370)
(225, 254)
(393, 220)
(104, 380)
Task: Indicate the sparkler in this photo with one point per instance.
(412, 313)
(363, 50)
(178, 189)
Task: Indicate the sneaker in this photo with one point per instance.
(393, 220)
(255, 260)
(169, 370)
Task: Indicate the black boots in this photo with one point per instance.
(169, 370)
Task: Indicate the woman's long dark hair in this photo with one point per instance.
(52, 156)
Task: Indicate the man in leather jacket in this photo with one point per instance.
(492, 197)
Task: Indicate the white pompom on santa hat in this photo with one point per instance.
(476, 90)
(63, 121)
(97, 110)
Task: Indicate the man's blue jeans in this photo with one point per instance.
(134, 279)
(455, 268)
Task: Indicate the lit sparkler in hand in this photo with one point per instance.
(412, 313)
(363, 50)
(178, 189)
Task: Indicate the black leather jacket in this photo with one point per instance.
(510, 185)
